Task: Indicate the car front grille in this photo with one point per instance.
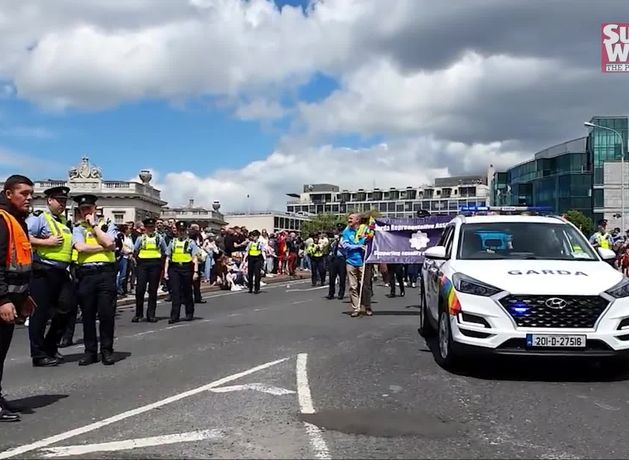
(580, 312)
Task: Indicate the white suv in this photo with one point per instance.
(521, 285)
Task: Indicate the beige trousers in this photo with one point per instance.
(354, 274)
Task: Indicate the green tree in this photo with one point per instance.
(322, 223)
(581, 221)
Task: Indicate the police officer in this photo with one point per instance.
(254, 255)
(51, 287)
(602, 238)
(181, 269)
(96, 272)
(337, 265)
(149, 250)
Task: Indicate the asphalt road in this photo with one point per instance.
(286, 374)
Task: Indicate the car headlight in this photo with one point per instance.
(468, 285)
(620, 290)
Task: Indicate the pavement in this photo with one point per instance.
(288, 374)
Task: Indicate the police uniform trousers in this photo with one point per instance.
(97, 296)
(396, 273)
(338, 268)
(254, 267)
(54, 293)
(317, 269)
(180, 280)
(68, 334)
(149, 272)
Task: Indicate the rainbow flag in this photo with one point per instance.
(449, 294)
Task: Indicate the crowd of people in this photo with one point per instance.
(52, 270)
(614, 240)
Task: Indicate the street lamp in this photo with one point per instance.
(622, 166)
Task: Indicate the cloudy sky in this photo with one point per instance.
(228, 98)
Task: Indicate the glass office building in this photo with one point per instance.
(558, 177)
(582, 174)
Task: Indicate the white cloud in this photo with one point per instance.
(31, 132)
(409, 162)
(260, 109)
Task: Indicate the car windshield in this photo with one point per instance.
(523, 240)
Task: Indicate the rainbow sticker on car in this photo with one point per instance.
(449, 294)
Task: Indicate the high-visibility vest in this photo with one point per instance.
(19, 259)
(75, 256)
(149, 248)
(254, 249)
(104, 256)
(315, 250)
(180, 252)
(62, 253)
(603, 240)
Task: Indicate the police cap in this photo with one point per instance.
(602, 222)
(150, 222)
(57, 192)
(85, 199)
(254, 233)
(181, 225)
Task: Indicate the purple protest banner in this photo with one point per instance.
(403, 241)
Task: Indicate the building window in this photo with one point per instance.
(118, 217)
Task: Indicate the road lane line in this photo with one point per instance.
(297, 302)
(315, 435)
(306, 290)
(261, 387)
(129, 444)
(131, 413)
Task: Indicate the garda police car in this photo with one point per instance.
(521, 284)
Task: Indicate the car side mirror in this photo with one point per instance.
(436, 252)
(606, 254)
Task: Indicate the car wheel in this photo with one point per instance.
(425, 327)
(445, 353)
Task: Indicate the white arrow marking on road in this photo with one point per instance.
(305, 404)
(140, 410)
(131, 443)
(277, 391)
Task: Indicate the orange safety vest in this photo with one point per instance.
(19, 254)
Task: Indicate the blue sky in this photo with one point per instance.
(229, 98)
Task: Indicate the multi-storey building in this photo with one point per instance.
(583, 174)
(446, 196)
(192, 214)
(271, 221)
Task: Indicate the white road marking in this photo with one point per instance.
(306, 290)
(297, 302)
(305, 405)
(606, 406)
(131, 443)
(235, 314)
(131, 413)
(261, 387)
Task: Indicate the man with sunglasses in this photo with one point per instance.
(51, 287)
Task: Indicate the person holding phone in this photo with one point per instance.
(96, 270)
(16, 261)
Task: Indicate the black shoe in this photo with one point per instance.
(257, 291)
(341, 297)
(6, 405)
(391, 296)
(59, 357)
(137, 319)
(189, 318)
(200, 301)
(402, 294)
(8, 416)
(107, 358)
(88, 359)
(173, 321)
(151, 320)
(329, 297)
(250, 291)
(45, 362)
(64, 343)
